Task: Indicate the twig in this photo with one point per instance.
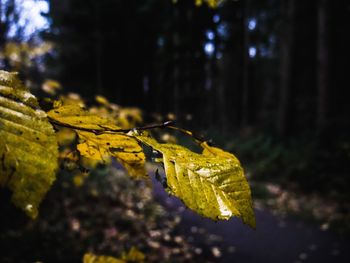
(108, 130)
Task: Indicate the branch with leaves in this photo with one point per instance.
(211, 183)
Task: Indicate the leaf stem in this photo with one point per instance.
(167, 124)
(197, 137)
(108, 130)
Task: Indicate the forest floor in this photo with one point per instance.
(277, 238)
(110, 213)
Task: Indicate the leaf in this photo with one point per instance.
(28, 146)
(102, 100)
(91, 258)
(212, 184)
(51, 86)
(210, 3)
(134, 255)
(100, 146)
(125, 149)
(129, 117)
(75, 117)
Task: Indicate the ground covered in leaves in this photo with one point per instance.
(108, 214)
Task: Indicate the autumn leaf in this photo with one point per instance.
(124, 148)
(51, 86)
(91, 258)
(210, 3)
(212, 184)
(98, 144)
(28, 146)
(133, 255)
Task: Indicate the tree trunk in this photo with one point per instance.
(245, 69)
(322, 63)
(98, 50)
(285, 107)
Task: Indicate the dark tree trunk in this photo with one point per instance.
(98, 50)
(322, 64)
(285, 108)
(246, 87)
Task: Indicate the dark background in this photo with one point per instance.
(264, 79)
(275, 69)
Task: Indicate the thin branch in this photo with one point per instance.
(108, 130)
(103, 130)
(197, 137)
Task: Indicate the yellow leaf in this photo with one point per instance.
(212, 184)
(129, 117)
(198, 2)
(100, 146)
(102, 100)
(124, 148)
(214, 151)
(91, 258)
(79, 179)
(28, 146)
(134, 255)
(76, 117)
(65, 136)
(70, 99)
(51, 86)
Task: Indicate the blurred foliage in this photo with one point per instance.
(301, 176)
(304, 160)
(210, 3)
(133, 255)
(108, 215)
(87, 138)
(23, 55)
(101, 146)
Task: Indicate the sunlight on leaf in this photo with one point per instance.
(101, 146)
(212, 184)
(125, 149)
(210, 3)
(51, 86)
(28, 146)
(91, 258)
(102, 100)
(133, 255)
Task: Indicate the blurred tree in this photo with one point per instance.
(251, 63)
(322, 63)
(285, 110)
(8, 15)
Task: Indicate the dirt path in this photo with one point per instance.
(274, 240)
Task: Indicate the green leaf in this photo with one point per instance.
(97, 143)
(212, 184)
(28, 146)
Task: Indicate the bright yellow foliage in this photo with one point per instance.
(100, 146)
(210, 3)
(125, 149)
(28, 146)
(133, 255)
(91, 258)
(23, 54)
(51, 86)
(212, 184)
